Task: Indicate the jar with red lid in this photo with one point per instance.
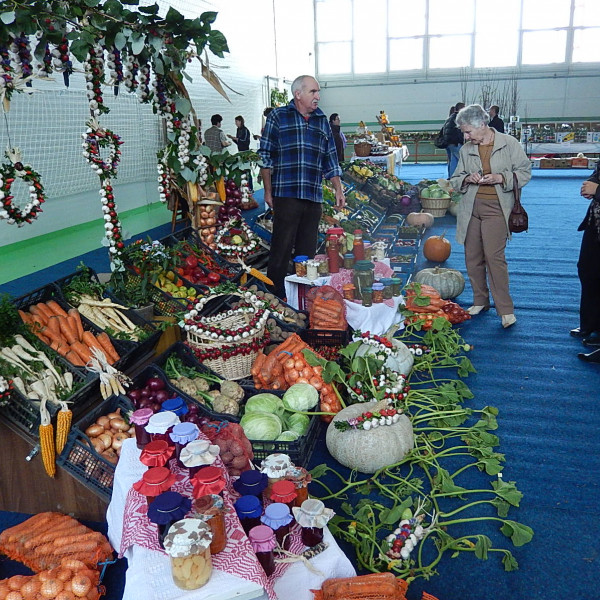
(358, 248)
(155, 481)
(211, 509)
(284, 492)
(263, 543)
(156, 453)
(140, 419)
(160, 425)
(209, 480)
(181, 435)
(279, 518)
(275, 466)
(248, 509)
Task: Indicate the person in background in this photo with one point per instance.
(588, 269)
(266, 113)
(454, 138)
(450, 113)
(297, 150)
(242, 140)
(338, 136)
(484, 175)
(495, 121)
(214, 138)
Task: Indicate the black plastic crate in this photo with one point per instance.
(52, 292)
(300, 450)
(79, 457)
(326, 337)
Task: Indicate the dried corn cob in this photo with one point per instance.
(46, 432)
(63, 426)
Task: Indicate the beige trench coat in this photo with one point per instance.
(507, 157)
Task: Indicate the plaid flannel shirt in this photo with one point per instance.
(299, 152)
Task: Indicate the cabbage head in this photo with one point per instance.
(297, 422)
(300, 396)
(261, 426)
(268, 403)
(287, 436)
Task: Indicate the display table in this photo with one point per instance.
(149, 571)
(549, 148)
(390, 161)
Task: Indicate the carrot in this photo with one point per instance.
(82, 351)
(73, 312)
(87, 536)
(108, 347)
(54, 337)
(13, 533)
(89, 339)
(69, 333)
(43, 308)
(73, 357)
(56, 308)
(25, 317)
(38, 317)
(258, 361)
(53, 324)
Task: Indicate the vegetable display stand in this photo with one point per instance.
(79, 458)
(227, 342)
(263, 225)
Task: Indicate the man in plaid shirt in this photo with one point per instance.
(297, 150)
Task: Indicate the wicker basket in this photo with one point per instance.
(436, 207)
(228, 341)
(362, 149)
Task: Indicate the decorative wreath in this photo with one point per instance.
(235, 238)
(9, 172)
(6, 386)
(96, 138)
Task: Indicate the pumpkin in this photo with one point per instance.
(437, 248)
(420, 219)
(448, 282)
(401, 361)
(369, 450)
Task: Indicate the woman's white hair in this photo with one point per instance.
(473, 115)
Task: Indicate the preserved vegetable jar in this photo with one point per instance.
(312, 516)
(140, 419)
(300, 263)
(348, 290)
(211, 509)
(209, 480)
(367, 296)
(348, 261)
(160, 425)
(166, 509)
(312, 271)
(198, 454)
(155, 481)
(322, 268)
(279, 518)
(248, 509)
(301, 478)
(358, 247)
(251, 483)
(377, 293)
(263, 543)
(333, 255)
(156, 453)
(396, 286)
(188, 545)
(387, 288)
(363, 276)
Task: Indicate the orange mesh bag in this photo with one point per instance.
(326, 308)
(235, 448)
(70, 580)
(44, 540)
(375, 586)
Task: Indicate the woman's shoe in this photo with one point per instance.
(508, 320)
(475, 310)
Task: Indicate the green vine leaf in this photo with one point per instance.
(465, 367)
(482, 546)
(509, 562)
(501, 506)
(7, 17)
(519, 534)
(318, 471)
(507, 490)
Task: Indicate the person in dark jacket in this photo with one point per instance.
(242, 141)
(588, 270)
(495, 121)
(338, 136)
(454, 138)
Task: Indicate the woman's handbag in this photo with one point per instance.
(518, 221)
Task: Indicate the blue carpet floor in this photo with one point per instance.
(548, 402)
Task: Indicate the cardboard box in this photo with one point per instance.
(535, 163)
(592, 162)
(562, 163)
(579, 163)
(546, 163)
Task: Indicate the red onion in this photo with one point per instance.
(155, 384)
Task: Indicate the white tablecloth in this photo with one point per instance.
(149, 572)
(390, 161)
(570, 149)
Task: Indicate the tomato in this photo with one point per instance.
(214, 277)
(191, 261)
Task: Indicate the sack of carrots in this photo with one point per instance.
(326, 309)
(286, 365)
(425, 303)
(63, 331)
(44, 540)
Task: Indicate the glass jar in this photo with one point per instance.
(197, 455)
(348, 261)
(284, 492)
(176, 405)
(156, 453)
(348, 291)
(363, 276)
(333, 255)
(248, 509)
(312, 516)
(251, 483)
(387, 288)
(140, 419)
(358, 247)
(188, 545)
(275, 466)
(367, 246)
(211, 509)
(378, 293)
(160, 425)
(312, 272)
(181, 435)
(322, 268)
(300, 265)
(209, 480)
(396, 286)
(263, 543)
(155, 481)
(166, 509)
(301, 478)
(367, 297)
(279, 518)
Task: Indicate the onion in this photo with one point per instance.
(144, 392)
(145, 403)
(111, 456)
(119, 424)
(405, 200)
(98, 445)
(155, 384)
(135, 395)
(104, 422)
(106, 439)
(193, 409)
(161, 396)
(156, 407)
(94, 430)
(114, 415)
(118, 440)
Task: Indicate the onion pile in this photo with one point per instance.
(108, 433)
(232, 207)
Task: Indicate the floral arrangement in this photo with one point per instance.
(9, 173)
(6, 386)
(234, 238)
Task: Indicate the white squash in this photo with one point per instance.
(420, 219)
(448, 282)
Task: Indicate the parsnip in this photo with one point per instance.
(19, 385)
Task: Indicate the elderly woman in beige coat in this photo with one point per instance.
(484, 175)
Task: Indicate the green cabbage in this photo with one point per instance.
(261, 425)
(287, 436)
(297, 422)
(268, 403)
(300, 396)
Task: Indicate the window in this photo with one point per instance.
(392, 36)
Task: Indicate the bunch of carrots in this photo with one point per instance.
(286, 365)
(327, 314)
(426, 304)
(63, 331)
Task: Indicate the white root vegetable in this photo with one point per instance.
(68, 380)
(37, 355)
(23, 354)
(14, 360)
(50, 385)
(19, 385)
(25, 344)
(39, 389)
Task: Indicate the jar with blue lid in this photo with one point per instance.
(279, 518)
(251, 483)
(301, 263)
(377, 292)
(177, 405)
(165, 509)
(181, 435)
(249, 510)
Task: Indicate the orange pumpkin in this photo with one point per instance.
(437, 248)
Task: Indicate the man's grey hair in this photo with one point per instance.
(473, 115)
(299, 82)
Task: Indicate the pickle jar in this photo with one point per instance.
(363, 276)
(322, 268)
(140, 419)
(161, 424)
(348, 290)
(312, 517)
(188, 545)
(300, 263)
(211, 509)
(396, 286)
(301, 478)
(263, 543)
(248, 509)
(166, 509)
(378, 293)
(251, 483)
(348, 261)
(367, 297)
(181, 435)
(387, 288)
(279, 518)
(312, 271)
